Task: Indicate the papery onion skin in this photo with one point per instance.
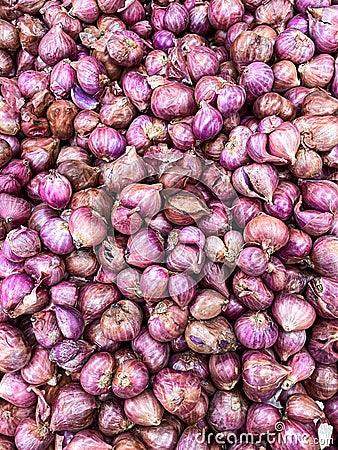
(81, 407)
(176, 391)
(221, 415)
(173, 100)
(324, 256)
(15, 352)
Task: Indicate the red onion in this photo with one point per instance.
(252, 261)
(56, 236)
(247, 180)
(256, 386)
(252, 291)
(130, 379)
(207, 122)
(14, 389)
(122, 321)
(212, 336)
(106, 143)
(323, 256)
(39, 370)
(45, 267)
(175, 18)
(57, 45)
(222, 416)
(201, 61)
(293, 313)
(96, 375)
(167, 321)
(262, 418)
(89, 438)
(207, 304)
(94, 299)
(69, 320)
(62, 79)
(79, 406)
(11, 416)
(71, 355)
(87, 227)
(45, 328)
(302, 366)
(55, 190)
(126, 49)
(322, 36)
(222, 14)
(15, 351)
(162, 294)
(225, 370)
(30, 435)
(112, 419)
(181, 102)
(144, 409)
(178, 392)
(94, 335)
(321, 293)
(144, 248)
(331, 411)
(322, 343)
(154, 354)
(256, 330)
(181, 288)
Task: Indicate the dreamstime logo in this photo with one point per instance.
(193, 192)
(280, 435)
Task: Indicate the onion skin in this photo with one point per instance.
(293, 313)
(81, 407)
(122, 321)
(144, 409)
(254, 366)
(172, 100)
(15, 351)
(177, 391)
(262, 416)
(331, 411)
(225, 370)
(323, 256)
(223, 415)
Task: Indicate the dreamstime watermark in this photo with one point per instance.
(279, 436)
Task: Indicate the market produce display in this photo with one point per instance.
(168, 225)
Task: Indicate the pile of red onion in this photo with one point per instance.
(168, 224)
